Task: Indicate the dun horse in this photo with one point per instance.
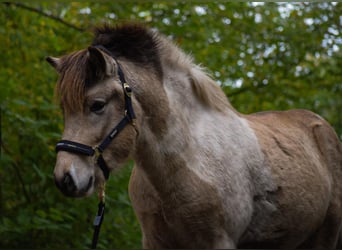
(205, 176)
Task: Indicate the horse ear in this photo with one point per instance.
(54, 62)
(102, 64)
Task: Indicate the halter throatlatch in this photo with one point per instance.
(96, 152)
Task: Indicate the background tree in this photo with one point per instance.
(265, 56)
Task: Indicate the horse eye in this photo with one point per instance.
(97, 107)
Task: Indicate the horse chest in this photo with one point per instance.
(185, 225)
(191, 217)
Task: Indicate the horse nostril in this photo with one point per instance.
(68, 184)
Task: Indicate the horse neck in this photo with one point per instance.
(166, 146)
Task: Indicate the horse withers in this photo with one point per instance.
(205, 176)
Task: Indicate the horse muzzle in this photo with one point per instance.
(70, 185)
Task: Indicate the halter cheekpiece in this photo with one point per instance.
(96, 151)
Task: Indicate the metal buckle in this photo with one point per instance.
(127, 89)
(97, 153)
(134, 122)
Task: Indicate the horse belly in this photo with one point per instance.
(304, 181)
(276, 223)
(292, 213)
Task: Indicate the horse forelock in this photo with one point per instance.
(75, 78)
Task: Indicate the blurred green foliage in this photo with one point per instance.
(265, 56)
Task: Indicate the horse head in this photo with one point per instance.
(94, 98)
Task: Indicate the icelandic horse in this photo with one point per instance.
(205, 175)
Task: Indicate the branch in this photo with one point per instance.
(40, 12)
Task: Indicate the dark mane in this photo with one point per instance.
(131, 41)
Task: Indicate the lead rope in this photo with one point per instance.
(99, 216)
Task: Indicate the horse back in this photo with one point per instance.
(298, 125)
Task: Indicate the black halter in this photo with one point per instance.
(96, 152)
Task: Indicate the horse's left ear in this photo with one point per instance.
(54, 62)
(101, 63)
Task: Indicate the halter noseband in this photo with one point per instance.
(96, 152)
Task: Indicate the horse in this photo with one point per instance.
(205, 175)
